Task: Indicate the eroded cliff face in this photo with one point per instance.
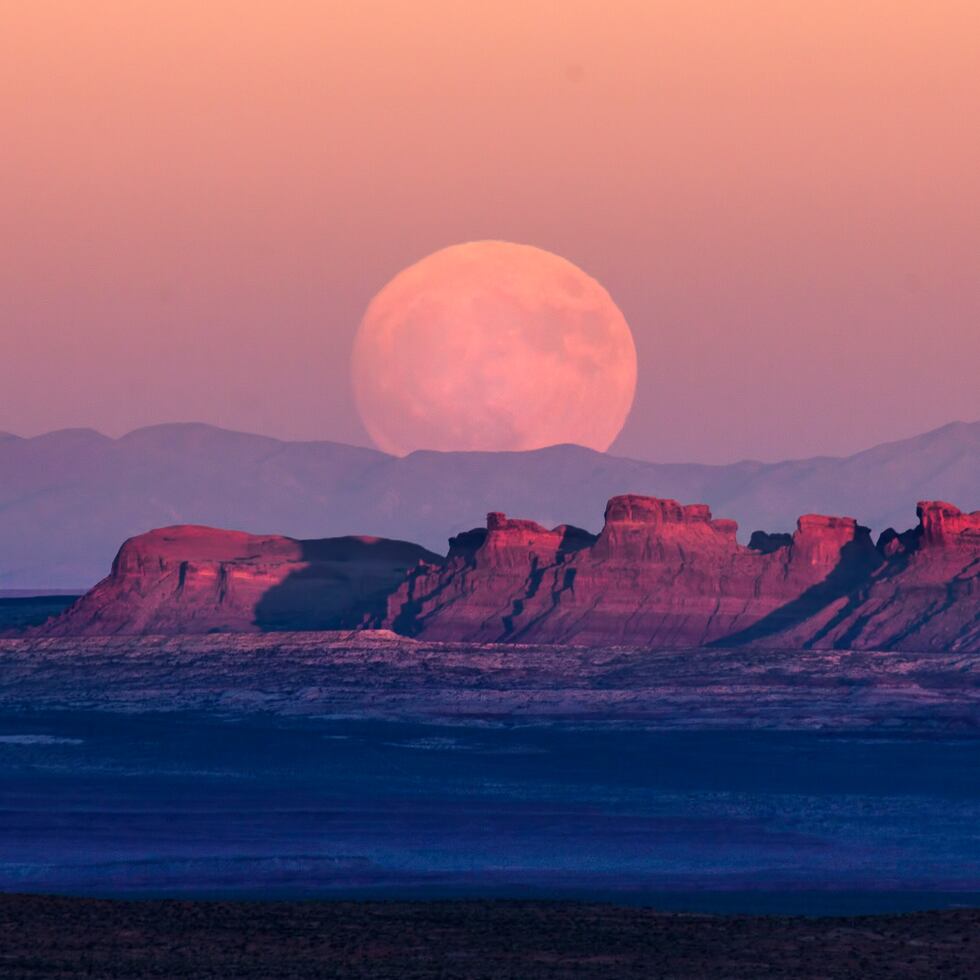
(925, 596)
(473, 592)
(659, 574)
(191, 579)
(943, 525)
(664, 574)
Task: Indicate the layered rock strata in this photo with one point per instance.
(663, 574)
(191, 579)
(659, 574)
(925, 595)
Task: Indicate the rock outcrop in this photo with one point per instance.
(925, 596)
(191, 579)
(663, 574)
(659, 574)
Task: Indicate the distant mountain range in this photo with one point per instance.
(69, 498)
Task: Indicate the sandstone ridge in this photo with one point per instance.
(658, 574)
(665, 574)
(193, 579)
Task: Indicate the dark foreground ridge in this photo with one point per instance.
(43, 937)
(659, 574)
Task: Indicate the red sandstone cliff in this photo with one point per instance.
(190, 579)
(925, 596)
(663, 574)
(658, 574)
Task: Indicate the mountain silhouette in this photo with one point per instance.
(69, 498)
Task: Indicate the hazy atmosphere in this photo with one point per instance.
(201, 200)
(489, 490)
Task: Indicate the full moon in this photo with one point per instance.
(493, 346)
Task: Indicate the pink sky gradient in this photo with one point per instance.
(200, 199)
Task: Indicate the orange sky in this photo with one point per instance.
(199, 200)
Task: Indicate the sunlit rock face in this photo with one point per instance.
(659, 574)
(192, 579)
(493, 346)
(925, 597)
(664, 574)
(943, 524)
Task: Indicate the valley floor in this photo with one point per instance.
(352, 776)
